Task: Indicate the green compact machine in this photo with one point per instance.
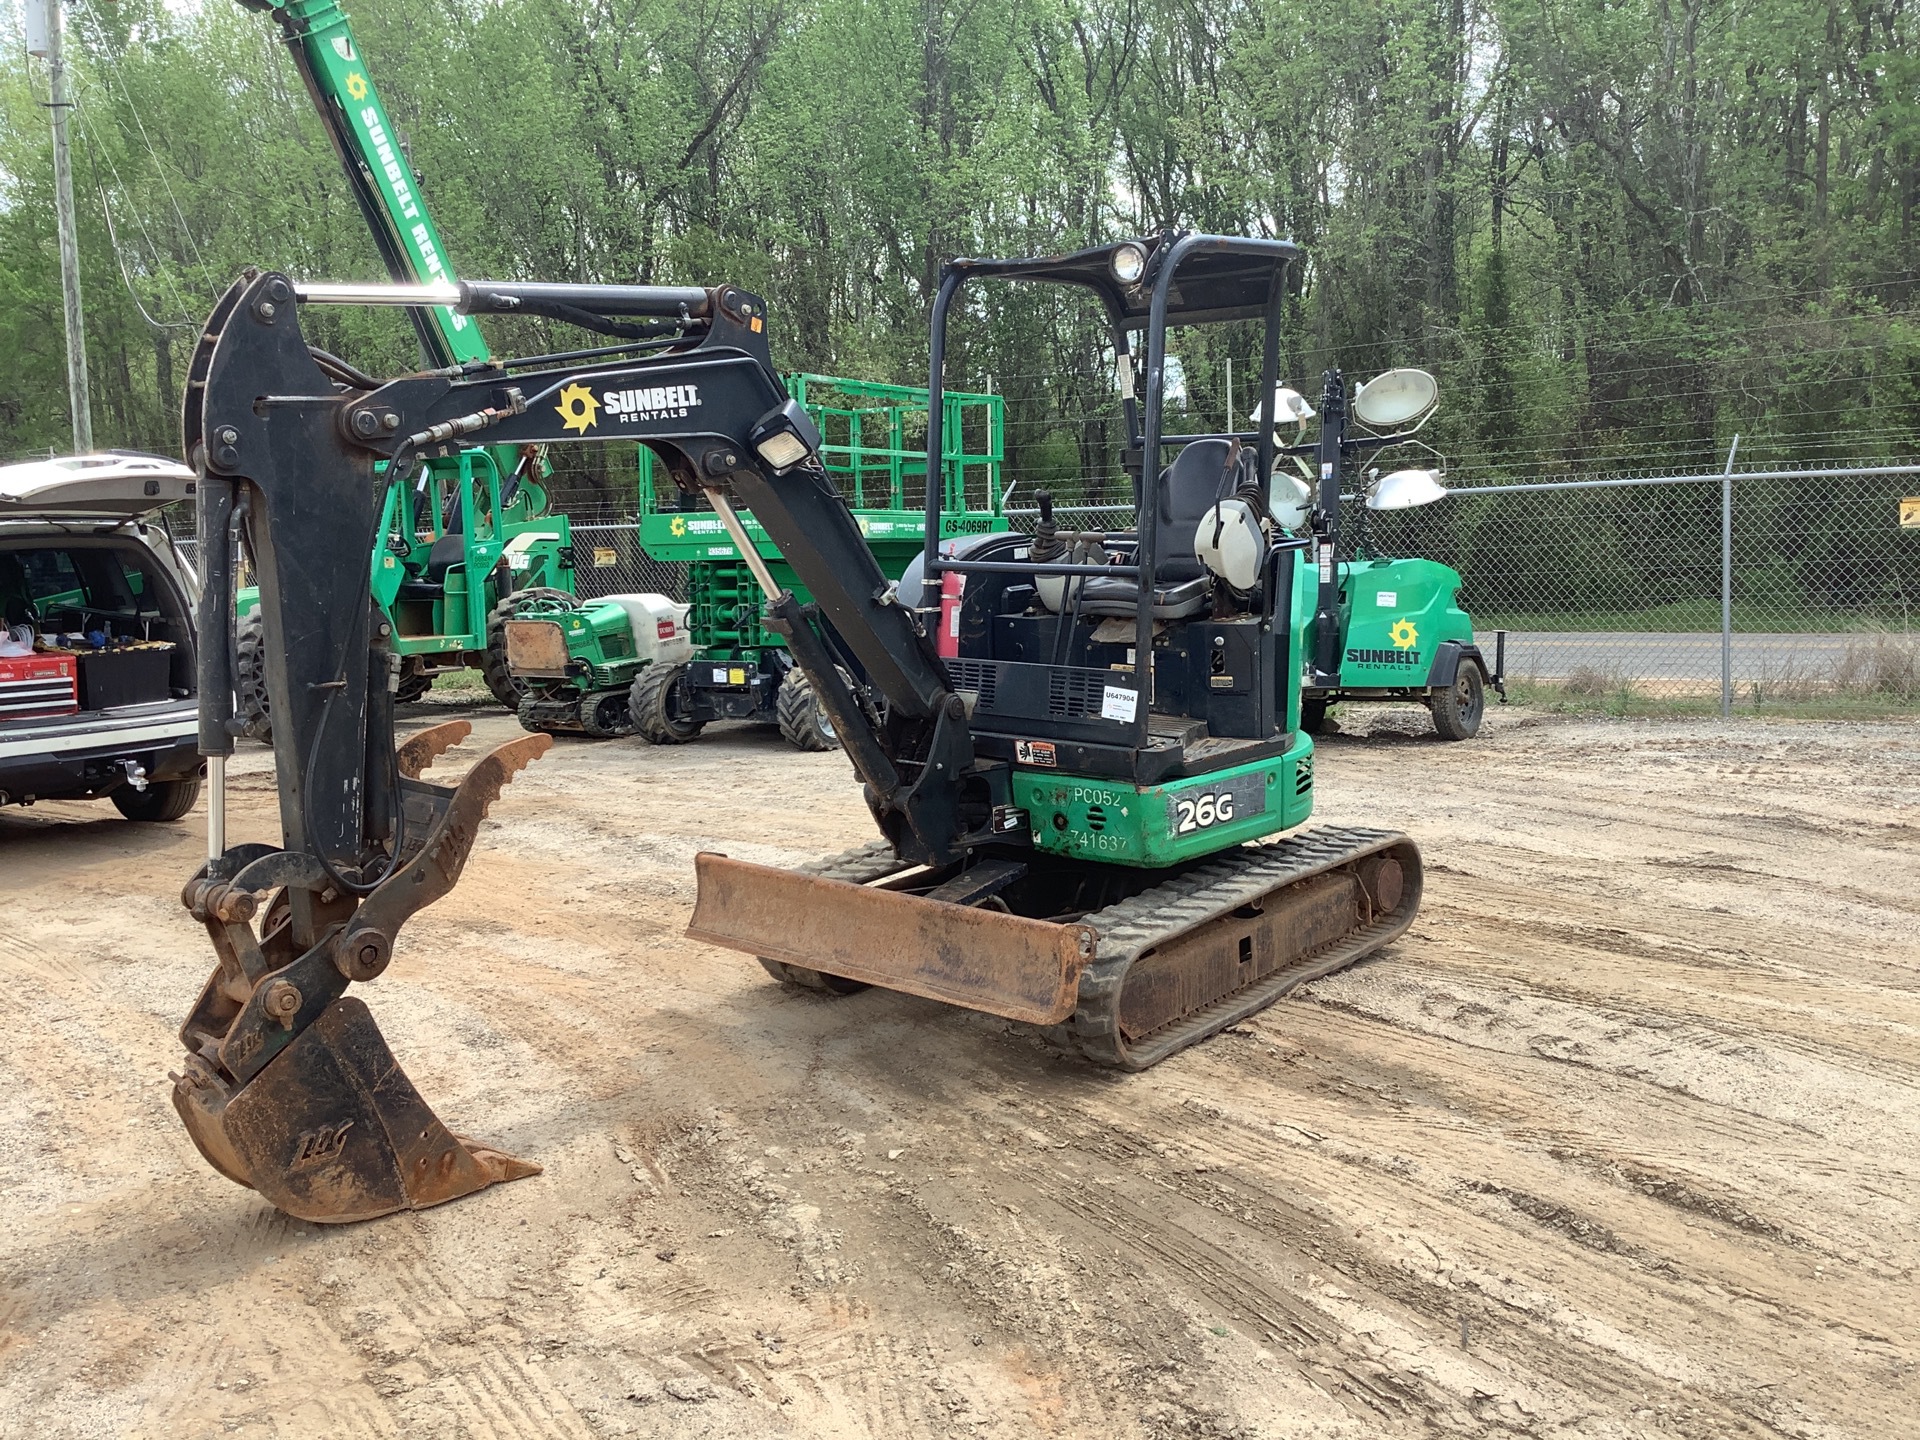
(648, 665)
(1381, 628)
(1404, 637)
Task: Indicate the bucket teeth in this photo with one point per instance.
(431, 871)
(423, 747)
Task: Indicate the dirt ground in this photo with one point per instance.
(1622, 1140)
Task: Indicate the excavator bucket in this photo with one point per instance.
(333, 1131)
(289, 1087)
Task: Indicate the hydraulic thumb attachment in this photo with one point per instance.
(289, 1086)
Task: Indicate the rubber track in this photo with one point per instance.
(1136, 925)
(1131, 927)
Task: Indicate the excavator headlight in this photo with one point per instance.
(784, 436)
(782, 450)
(1129, 264)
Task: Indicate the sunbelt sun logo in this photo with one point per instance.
(578, 410)
(1404, 636)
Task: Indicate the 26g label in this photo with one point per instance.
(1201, 811)
(1204, 806)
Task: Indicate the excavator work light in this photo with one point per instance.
(785, 436)
(1129, 264)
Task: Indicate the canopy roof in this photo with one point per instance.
(1220, 277)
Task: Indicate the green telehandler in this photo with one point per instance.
(464, 532)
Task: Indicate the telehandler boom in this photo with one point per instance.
(1075, 747)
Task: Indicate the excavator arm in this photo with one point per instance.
(289, 1087)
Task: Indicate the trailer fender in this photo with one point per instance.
(1446, 663)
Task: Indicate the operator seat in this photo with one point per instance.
(1199, 475)
(447, 552)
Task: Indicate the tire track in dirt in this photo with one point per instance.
(888, 1218)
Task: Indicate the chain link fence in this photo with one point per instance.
(608, 560)
(1769, 588)
(1751, 591)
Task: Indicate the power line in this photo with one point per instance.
(159, 166)
(119, 256)
(159, 269)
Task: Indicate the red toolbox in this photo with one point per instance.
(32, 685)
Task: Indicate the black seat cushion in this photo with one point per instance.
(448, 551)
(1201, 473)
(1119, 598)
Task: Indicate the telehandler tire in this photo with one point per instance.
(803, 721)
(652, 701)
(413, 683)
(250, 678)
(1458, 709)
(493, 661)
(1313, 716)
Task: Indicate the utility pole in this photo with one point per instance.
(44, 23)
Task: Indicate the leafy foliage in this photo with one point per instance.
(1619, 230)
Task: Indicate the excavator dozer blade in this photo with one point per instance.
(1006, 965)
(1196, 950)
(333, 1131)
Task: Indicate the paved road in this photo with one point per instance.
(1671, 655)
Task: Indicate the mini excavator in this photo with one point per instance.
(1077, 747)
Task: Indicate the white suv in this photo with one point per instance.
(96, 636)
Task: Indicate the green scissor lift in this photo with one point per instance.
(875, 448)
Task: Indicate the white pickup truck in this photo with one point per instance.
(96, 636)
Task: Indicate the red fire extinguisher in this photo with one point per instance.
(952, 586)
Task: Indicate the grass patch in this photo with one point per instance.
(1627, 702)
(460, 682)
(1877, 676)
(1690, 615)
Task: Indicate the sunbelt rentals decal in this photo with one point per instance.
(399, 178)
(579, 408)
(1404, 636)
